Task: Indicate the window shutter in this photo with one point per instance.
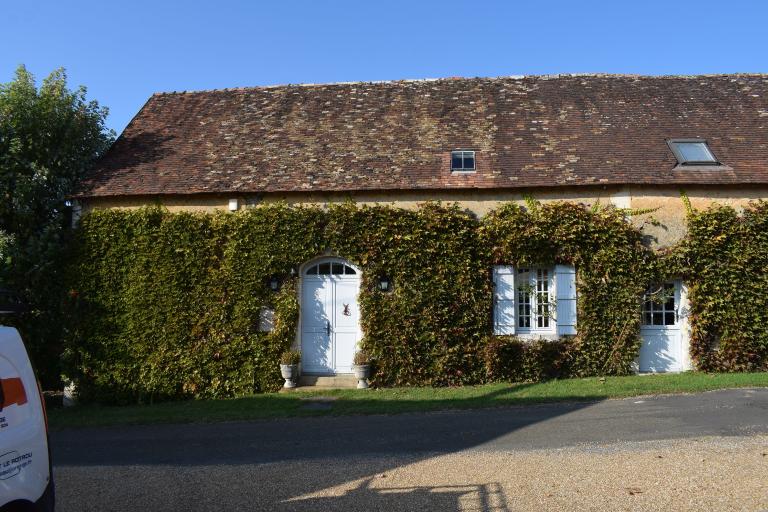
(565, 286)
(504, 300)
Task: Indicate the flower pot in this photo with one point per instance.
(289, 373)
(362, 373)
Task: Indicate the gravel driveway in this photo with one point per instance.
(716, 473)
(686, 452)
(704, 474)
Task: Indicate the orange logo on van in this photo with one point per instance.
(13, 392)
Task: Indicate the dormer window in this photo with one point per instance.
(462, 161)
(692, 152)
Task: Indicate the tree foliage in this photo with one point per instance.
(49, 136)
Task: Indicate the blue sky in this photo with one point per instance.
(125, 51)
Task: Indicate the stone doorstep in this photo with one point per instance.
(328, 382)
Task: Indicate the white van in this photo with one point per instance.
(26, 480)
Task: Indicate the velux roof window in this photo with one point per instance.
(462, 160)
(692, 152)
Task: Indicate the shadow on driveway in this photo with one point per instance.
(332, 462)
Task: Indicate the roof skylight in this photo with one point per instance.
(692, 152)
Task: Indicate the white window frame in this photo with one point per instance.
(652, 305)
(562, 301)
(530, 278)
(463, 154)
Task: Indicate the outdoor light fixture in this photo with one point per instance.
(274, 283)
(385, 284)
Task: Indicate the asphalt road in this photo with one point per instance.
(233, 466)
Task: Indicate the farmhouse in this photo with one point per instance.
(637, 143)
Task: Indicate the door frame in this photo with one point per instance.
(682, 326)
(300, 297)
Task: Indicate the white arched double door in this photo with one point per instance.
(330, 317)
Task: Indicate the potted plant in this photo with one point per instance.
(361, 365)
(289, 367)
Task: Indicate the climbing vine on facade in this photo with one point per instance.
(168, 305)
(726, 259)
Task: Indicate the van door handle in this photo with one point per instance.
(328, 327)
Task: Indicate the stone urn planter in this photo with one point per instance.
(362, 374)
(361, 365)
(290, 373)
(289, 368)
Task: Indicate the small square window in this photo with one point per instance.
(462, 160)
(692, 152)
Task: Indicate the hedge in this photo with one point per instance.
(166, 305)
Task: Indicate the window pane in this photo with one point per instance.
(524, 315)
(469, 160)
(337, 269)
(312, 271)
(658, 318)
(325, 269)
(456, 160)
(647, 319)
(349, 270)
(669, 318)
(695, 152)
(669, 296)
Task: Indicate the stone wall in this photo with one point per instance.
(663, 227)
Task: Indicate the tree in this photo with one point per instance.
(49, 137)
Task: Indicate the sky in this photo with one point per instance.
(123, 51)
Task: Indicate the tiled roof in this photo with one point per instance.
(527, 131)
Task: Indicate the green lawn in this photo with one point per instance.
(399, 400)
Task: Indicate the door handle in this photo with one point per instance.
(328, 327)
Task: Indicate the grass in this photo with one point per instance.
(398, 400)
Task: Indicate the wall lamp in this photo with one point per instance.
(385, 284)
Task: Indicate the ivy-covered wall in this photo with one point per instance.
(725, 257)
(613, 271)
(432, 326)
(167, 305)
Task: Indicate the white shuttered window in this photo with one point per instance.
(534, 301)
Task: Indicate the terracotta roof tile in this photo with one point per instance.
(528, 132)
